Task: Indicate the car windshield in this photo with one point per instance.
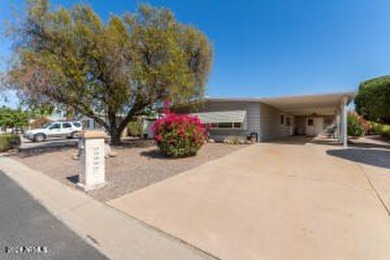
(46, 125)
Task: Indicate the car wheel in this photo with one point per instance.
(39, 138)
(73, 135)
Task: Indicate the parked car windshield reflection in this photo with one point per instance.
(46, 125)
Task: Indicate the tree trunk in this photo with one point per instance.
(114, 130)
(115, 136)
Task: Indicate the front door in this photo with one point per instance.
(314, 126)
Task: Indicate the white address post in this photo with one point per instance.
(92, 174)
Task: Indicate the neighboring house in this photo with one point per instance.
(272, 118)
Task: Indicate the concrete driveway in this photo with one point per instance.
(283, 200)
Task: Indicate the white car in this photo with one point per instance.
(67, 129)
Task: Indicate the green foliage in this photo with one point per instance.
(373, 100)
(11, 118)
(9, 141)
(135, 127)
(383, 130)
(71, 58)
(179, 135)
(355, 125)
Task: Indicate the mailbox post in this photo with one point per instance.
(92, 174)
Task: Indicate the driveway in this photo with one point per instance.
(284, 200)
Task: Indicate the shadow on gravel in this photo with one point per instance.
(73, 179)
(374, 157)
(139, 143)
(155, 154)
(47, 147)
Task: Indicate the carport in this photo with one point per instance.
(334, 105)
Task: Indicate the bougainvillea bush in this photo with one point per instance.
(179, 135)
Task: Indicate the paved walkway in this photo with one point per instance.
(285, 200)
(29, 231)
(115, 234)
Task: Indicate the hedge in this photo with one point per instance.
(383, 130)
(9, 141)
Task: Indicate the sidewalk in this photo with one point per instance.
(115, 234)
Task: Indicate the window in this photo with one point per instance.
(310, 122)
(226, 125)
(46, 125)
(77, 124)
(282, 119)
(55, 126)
(66, 125)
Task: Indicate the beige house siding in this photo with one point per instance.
(270, 125)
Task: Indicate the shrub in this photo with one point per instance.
(383, 130)
(9, 141)
(135, 128)
(376, 127)
(356, 126)
(179, 135)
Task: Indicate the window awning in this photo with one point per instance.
(231, 116)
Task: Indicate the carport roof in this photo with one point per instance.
(321, 104)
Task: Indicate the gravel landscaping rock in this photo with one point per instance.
(137, 165)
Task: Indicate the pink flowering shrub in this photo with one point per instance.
(179, 135)
(357, 125)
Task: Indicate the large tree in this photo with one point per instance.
(373, 99)
(109, 71)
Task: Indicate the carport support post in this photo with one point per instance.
(338, 124)
(344, 122)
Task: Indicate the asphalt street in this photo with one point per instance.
(29, 231)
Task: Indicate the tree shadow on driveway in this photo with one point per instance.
(374, 157)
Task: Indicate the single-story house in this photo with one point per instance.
(272, 118)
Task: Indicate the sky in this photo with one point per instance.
(273, 48)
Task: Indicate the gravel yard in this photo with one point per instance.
(136, 166)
